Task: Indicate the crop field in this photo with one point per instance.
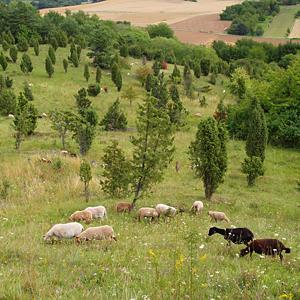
(295, 32)
(164, 260)
(281, 22)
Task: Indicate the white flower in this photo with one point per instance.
(284, 239)
(202, 246)
(276, 234)
(264, 287)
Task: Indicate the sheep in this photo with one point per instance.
(147, 212)
(165, 210)
(235, 235)
(64, 152)
(78, 216)
(44, 115)
(46, 160)
(97, 212)
(67, 231)
(218, 216)
(11, 116)
(105, 232)
(124, 207)
(197, 207)
(265, 246)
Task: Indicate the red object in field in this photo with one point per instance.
(164, 65)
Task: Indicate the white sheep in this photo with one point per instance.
(64, 152)
(67, 231)
(147, 212)
(166, 210)
(81, 215)
(11, 116)
(44, 115)
(197, 207)
(218, 216)
(97, 212)
(105, 232)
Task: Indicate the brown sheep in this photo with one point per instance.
(105, 232)
(78, 216)
(147, 212)
(124, 207)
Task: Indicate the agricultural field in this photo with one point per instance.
(281, 22)
(163, 260)
(295, 31)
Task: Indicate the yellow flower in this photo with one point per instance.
(203, 258)
(286, 296)
(179, 262)
(151, 253)
(204, 285)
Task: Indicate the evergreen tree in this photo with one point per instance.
(188, 83)
(28, 92)
(257, 131)
(86, 72)
(3, 61)
(221, 113)
(208, 154)
(26, 64)
(205, 66)
(197, 70)
(53, 43)
(253, 167)
(74, 59)
(8, 102)
(82, 101)
(149, 82)
(84, 134)
(153, 146)
(78, 51)
(160, 90)
(13, 53)
(115, 118)
(22, 44)
(114, 71)
(49, 66)
(213, 78)
(51, 54)
(5, 45)
(156, 67)
(119, 81)
(176, 76)
(65, 65)
(124, 50)
(116, 171)
(36, 47)
(85, 174)
(93, 89)
(98, 75)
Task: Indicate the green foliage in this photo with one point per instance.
(208, 154)
(142, 74)
(84, 134)
(74, 58)
(65, 65)
(253, 167)
(5, 187)
(82, 101)
(213, 78)
(53, 43)
(197, 70)
(78, 51)
(22, 44)
(176, 76)
(205, 66)
(117, 176)
(5, 45)
(188, 83)
(93, 89)
(62, 122)
(28, 92)
(85, 175)
(3, 61)
(86, 72)
(221, 112)
(49, 66)
(239, 82)
(36, 47)
(153, 146)
(7, 102)
(257, 131)
(51, 54)
(115, 118)
(148, 83)
(156, 67)
(13, 53)
(124, 50)
(26, 64)
(130, 94)
(98, 75)
(161, 29)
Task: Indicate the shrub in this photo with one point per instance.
(8, 102)
(93, 89)
(161, 29)
(253, 167)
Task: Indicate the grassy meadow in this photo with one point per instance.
(164, 260)
(281, 22)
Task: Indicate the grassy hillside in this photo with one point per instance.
(165, 260)
(282, 21)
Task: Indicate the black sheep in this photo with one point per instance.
(235, 235)
(265, 246)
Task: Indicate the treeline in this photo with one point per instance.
(270, 74)
(247, 16)
(54, 3)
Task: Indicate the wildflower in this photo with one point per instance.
(202, 246)
(204, 285)
(203, 257)
(151, 253)
(286, 296)
(264, 287)
(179, 262)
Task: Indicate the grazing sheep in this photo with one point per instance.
(124, 207)
(72, 154)
(97, 233)
(67, 231)
(235, 235)
(218, 216)
(11, 116)
(147, 212)
(97, 212)
(46, 160)
(197, 207)
(64, 152)
(83, 215)
(44, 115)
(165, 210)
(265, 246)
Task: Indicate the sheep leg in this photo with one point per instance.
(281, 256)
